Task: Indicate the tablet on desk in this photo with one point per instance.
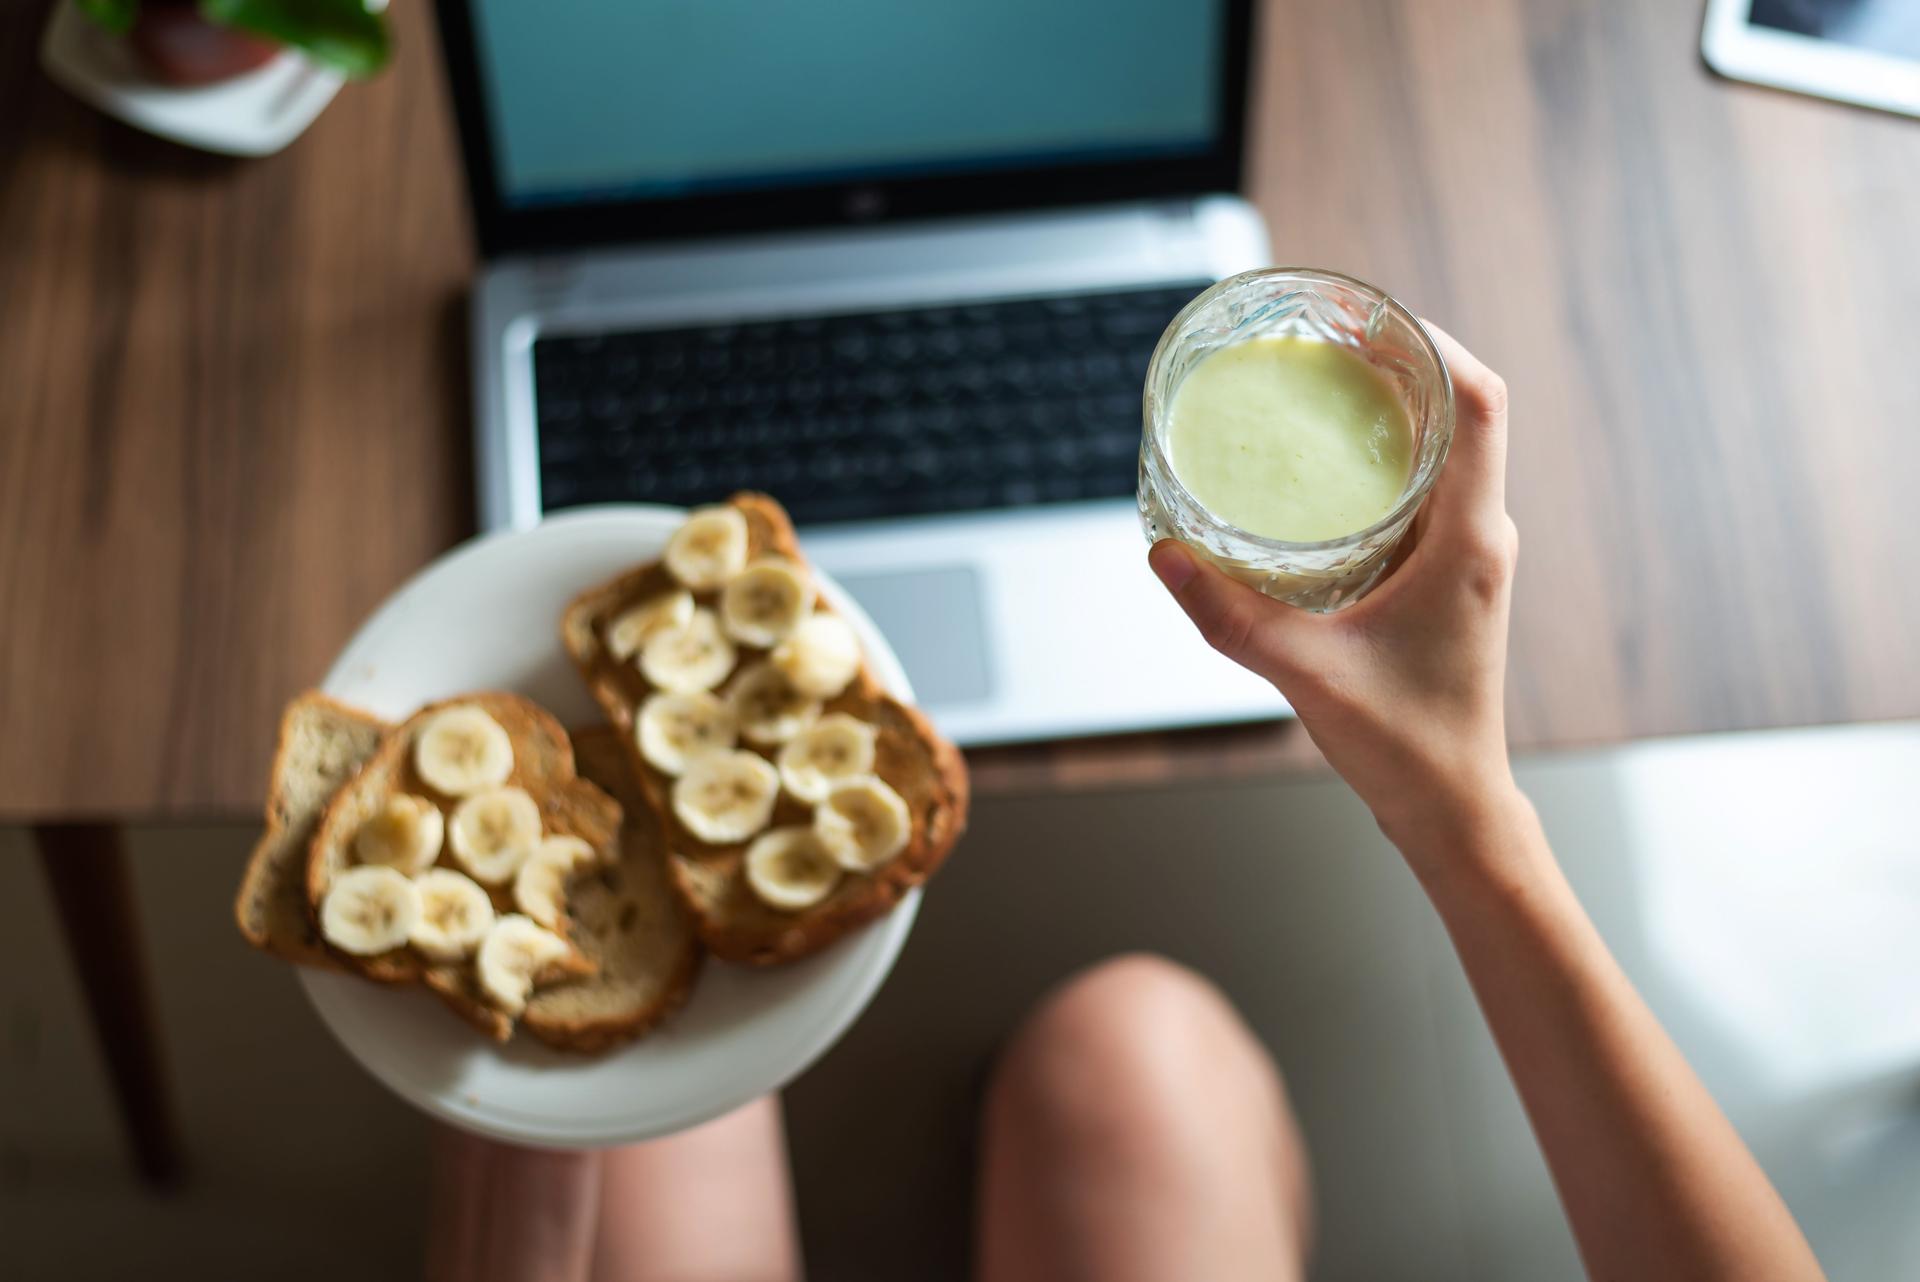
(1859, 51)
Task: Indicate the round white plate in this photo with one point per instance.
(487, 616)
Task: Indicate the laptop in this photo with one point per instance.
(899, 265)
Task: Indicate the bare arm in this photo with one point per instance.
(1403, 693)
(1654, 1179)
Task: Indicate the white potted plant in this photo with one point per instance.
(237, 76)
(199, 42)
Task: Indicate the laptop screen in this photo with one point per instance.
(576, 104)
(652, 99)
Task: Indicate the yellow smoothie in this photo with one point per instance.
(1290, 438)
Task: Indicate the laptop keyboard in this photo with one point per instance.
(870, 414)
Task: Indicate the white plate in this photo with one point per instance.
(486, 616)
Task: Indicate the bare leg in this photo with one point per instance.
(1137, 1130)
(506, 1214)
(713, 1204)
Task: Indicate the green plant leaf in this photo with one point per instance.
(338, 33)
(114, 15)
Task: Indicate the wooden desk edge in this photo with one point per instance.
(1271, 749)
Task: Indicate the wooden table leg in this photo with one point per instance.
(86, 865)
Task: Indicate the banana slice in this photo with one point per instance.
(694, 656)
(463, 751)
(709, 549)
(789, 869)
(404, 835)
(765, 601)
(837, 747)
(494, 833)
(673, 729)
(540, 887)
(631, 628)
(455, 915)
(767, 707)
(512, 956)
(726, 797)
(863, 823)
(820, 656)
(368, 910)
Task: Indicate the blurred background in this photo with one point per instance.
(286, 314)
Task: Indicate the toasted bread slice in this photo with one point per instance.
(638, 940)
(322, 743)
(911, 756)
(625, 920)
(542, 764)
(922, 767)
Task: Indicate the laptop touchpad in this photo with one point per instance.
(932, 618)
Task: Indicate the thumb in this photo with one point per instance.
(1265, 636)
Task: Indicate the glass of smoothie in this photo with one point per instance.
(1295, 420)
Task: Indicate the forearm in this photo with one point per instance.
(1654, 1179)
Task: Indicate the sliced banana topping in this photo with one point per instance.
(511, 958)
(767, 707)
(726, 797)
(835, 748)
(863, 823)
(694, 656)
(631, 629)
(673, 729)
(820, 656)
(455, 915)
(789, 869)
(540, 887)
(463, 751)
(709, 549)
(765, 601)
(494, 833)
(404, 834)
(369, 910)
(568, 849)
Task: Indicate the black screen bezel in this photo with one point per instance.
(502, 229)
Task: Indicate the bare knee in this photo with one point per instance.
(1134, 1051)
(1137, 1078)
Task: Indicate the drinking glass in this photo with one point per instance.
(1299, 302)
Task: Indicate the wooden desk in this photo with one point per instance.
(234, 413)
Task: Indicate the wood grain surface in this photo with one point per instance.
(233, 411)
(235, 417)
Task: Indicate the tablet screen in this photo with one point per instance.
(1890, 27)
